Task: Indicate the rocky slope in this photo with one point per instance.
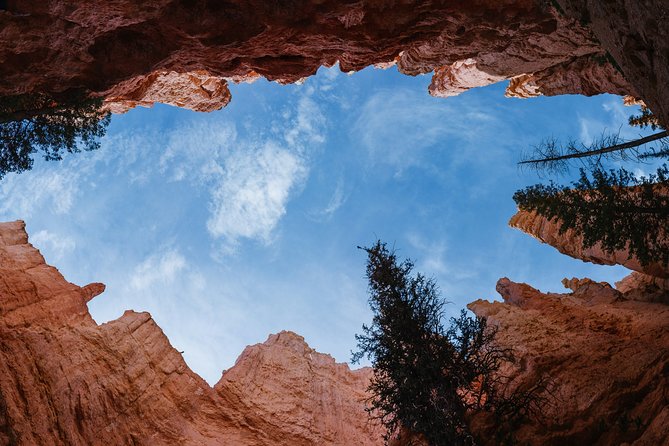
(183, 52)
(606, 353)
(65, 380)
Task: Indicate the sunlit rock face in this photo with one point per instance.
(571, 243)
(197, 91)
(181, 52)
(316, 414)
(606, 353)
(65, 380)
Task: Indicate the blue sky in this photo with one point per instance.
(232, 225)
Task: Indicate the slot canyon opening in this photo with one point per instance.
(231, 225)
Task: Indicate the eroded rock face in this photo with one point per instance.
(637, 36)
(262, 374)
(571, 244)
(136, 53)
(65, 380)
(197, 91)
(606, 353)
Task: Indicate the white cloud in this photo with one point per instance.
(161, 268)
(337, 200)
(397, 127)
(432, 255)
(194, 152)
(307, 126)
(253, 191)
(53, 244)
(250, 179)
(614, 121)
(24, 194)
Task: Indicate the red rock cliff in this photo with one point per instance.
(606, 353)
(65, 380)
(182, 52)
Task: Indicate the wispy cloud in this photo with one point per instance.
(160, 268)
(614, 120)
(400, 129)
(52, 189)
(55, 244)
(252, 193)
(337, 200)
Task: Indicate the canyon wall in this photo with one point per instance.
(65, 380)
(636, 35)
(605, 354)
(184, 52)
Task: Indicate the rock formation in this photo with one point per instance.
(636, 35)
(571, 244)
(181, 52)
(65, 380)
(606, 353)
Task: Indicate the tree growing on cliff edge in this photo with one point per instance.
(614, 208)
(428, 378)
(553, 157)
(40, 123)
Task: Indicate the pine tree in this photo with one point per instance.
(428, 377)
(552, 156)
(614, 208)
(40, 123)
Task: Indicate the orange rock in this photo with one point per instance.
(197, 91)
(65, 380)
(180, 52)
(606, 356)
(571, 244)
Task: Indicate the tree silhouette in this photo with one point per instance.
(41, 123)
(614, 208)
(552, 156)
(428, 377)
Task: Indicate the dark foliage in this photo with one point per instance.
(614, 208)
(645, 119)
(428, 377)
(40, 123)
(554, 157)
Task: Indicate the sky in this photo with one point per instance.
(232, 225)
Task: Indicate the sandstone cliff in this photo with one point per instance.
(571, 244)
(183, 52)
(65, 380)
(606, 353)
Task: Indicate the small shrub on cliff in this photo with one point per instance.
(40, 123)
(428, 378)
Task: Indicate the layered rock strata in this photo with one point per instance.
(636, 35)
(65, 380)
(605, 352)
(136, 53)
